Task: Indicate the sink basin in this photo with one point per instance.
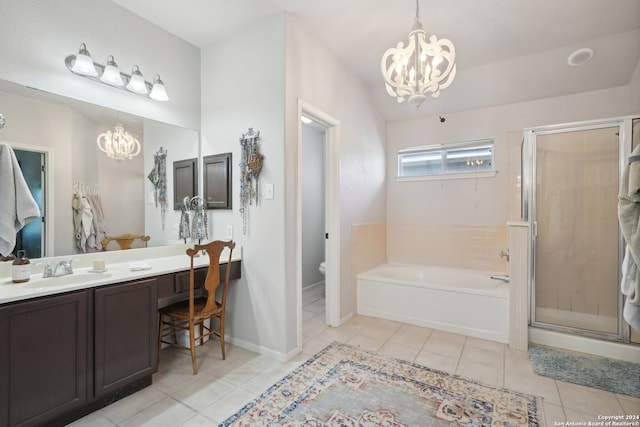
(37, 281)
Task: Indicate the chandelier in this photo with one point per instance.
(422, 66)
(118, 144)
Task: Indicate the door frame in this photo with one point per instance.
(332, 215)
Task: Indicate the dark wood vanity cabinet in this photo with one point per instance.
(64, 356)
(44, 358)
(126, 324)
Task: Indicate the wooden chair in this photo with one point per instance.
(124, 240)
(185, 315)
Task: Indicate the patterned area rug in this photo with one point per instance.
(345, 386)
(617, 376)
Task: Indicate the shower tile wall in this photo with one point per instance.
(467, 247)
(368, 250)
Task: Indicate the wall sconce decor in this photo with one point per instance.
(82, 64)
(250, 167)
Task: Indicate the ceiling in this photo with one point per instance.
(507, 51)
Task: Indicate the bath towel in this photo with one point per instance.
(629, 219)
(18, 206)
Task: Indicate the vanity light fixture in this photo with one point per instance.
(158, 91)
(82, 65)
(137, 83)
(111, 74)
(421, 67)
(118, 144)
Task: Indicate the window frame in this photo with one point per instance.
(443, 150)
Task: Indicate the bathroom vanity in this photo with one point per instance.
(69, 347)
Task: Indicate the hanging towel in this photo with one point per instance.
(631, 311)
(629, 218)
(18, 206)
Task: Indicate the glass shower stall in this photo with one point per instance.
(571, 177)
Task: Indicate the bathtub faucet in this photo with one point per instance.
(505, 254)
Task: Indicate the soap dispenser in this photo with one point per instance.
(21, 269)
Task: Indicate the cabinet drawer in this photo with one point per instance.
(181, 283)
(165, 285)
(182, 278)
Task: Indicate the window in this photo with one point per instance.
(443, 159)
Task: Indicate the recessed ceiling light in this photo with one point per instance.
(306, 120)
(580, 56)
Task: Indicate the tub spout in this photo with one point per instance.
(503, 278)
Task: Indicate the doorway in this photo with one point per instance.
(324, 234)
(32, 237)
(312, 180)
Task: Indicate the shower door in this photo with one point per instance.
(575, 233)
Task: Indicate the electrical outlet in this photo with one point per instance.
(229, 232)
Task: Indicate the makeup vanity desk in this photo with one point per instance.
(73, 344)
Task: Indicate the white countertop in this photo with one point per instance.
(161, 260)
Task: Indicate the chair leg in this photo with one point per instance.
(192, 345)
(160, 331)
(222, 336)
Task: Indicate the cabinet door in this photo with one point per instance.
(126, 318)
(43, 358)
(217, 181)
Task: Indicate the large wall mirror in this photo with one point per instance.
(63, 133)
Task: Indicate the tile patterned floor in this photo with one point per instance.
(179, 398)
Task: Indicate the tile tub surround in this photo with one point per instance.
(368, 250)
(467, 247)
(165, 259)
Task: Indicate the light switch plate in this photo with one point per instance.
(269, 191)
(229, 232)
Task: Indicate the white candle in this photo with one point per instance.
(99, 265)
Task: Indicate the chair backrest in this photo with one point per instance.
(212, 281)
(124, 240)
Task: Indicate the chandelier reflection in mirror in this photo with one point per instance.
(118, 144)
(82, 65)
(419, 68)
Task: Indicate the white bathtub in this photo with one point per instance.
(459, 301)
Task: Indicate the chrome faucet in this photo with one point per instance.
(503, 278)
(63, 268)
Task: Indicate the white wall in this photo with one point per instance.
(244, 87)
(180, 144)
(315, 76)
(634, 90)
(38, 35)
(313, 204)
(482, 201)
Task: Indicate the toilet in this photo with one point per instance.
(322, 267)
